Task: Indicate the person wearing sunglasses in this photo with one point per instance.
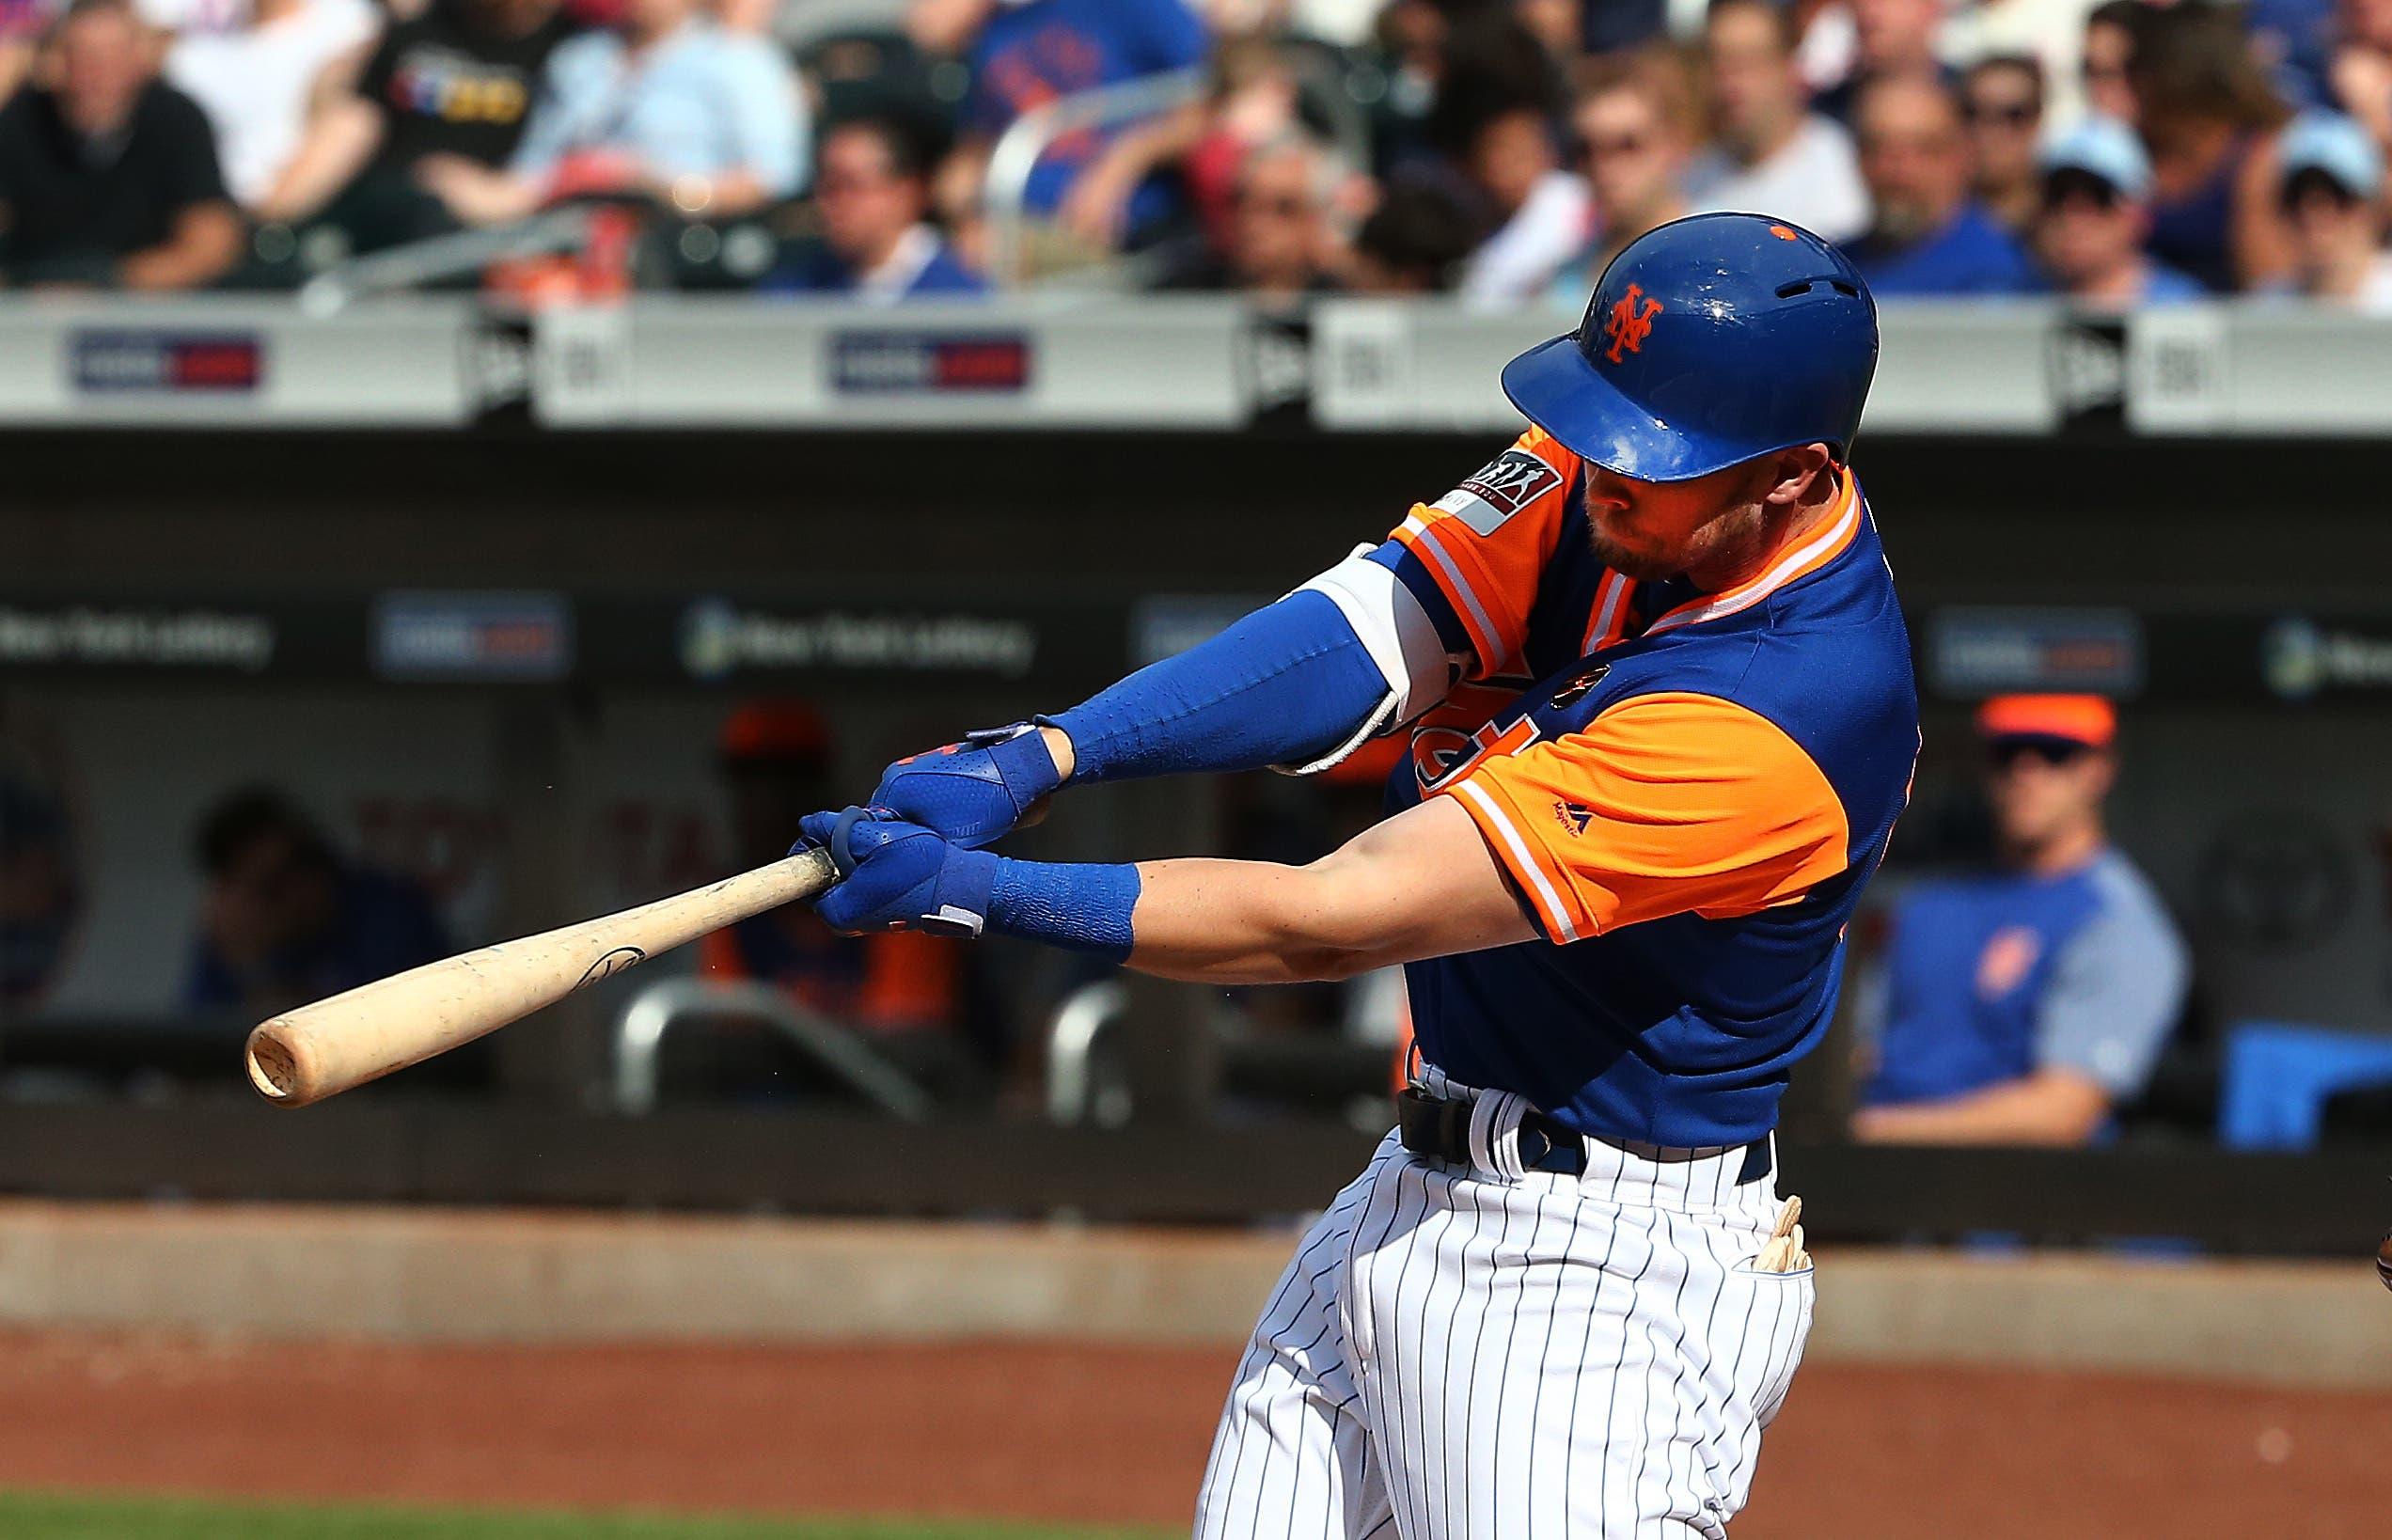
(2094, 215)
(1631, 147)
(2002, 99)
(2330, 182)
(1929, 236)
(2021, 1005)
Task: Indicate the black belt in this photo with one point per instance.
(1439, 1128)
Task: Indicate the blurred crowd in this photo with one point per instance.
(2119, 152)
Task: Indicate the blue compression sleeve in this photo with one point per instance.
(1284, 684)
(1077, 906)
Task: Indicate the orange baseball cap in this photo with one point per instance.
(775, 732)
(2087, 719)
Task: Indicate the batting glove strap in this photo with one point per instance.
(973, 792)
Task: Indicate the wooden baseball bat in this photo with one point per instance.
(364, 1033)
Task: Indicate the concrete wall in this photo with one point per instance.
(429, 1276)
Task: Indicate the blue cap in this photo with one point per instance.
(2104, 148)
(2336, 145)
(1709, 341)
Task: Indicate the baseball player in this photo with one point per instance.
(1660, 718)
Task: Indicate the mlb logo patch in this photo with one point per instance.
(1509, 484)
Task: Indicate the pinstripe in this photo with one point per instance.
(1383, 1378)
(1390, 1354)
(1677, 1308)
(1537, 1408)
(1442, 1482)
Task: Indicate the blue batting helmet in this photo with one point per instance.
(1709, 341)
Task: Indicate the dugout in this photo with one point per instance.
(497, 648)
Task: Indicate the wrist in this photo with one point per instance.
(1079, 906)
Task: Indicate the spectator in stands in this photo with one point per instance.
(1026, 53)
(775, 761)
(1891, 39)
(254, 82)
(457, 80)
(666, 105)
(2003, 100)
(2022, 1007)
(2110, 30)
(1770, 153)
(2359, 74)
(1633, 146)
(1930, 237)
(23, 25)
(1253, 97)
(108, 178)
(872, 189)
(2090, 235)
(1493, 121)
(1413, 243)
(1285, 243)
(2209, 119)
(2049, 33)
(2331, 182)
(284, 919)
(2292, 41)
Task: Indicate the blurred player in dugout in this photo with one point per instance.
(2023, 1005)
(900, 988)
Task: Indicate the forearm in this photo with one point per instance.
(1283, 686)
(2049, 1107)
(205, 242)
(342, 139)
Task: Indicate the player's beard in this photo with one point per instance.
(1736, 526)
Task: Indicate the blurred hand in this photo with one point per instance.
(1096, 209)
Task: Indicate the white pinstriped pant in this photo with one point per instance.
(1455, 1353)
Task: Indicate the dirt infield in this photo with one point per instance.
(1074, 1432)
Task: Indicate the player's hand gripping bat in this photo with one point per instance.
(323, 1049)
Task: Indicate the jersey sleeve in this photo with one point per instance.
(1475, 557)
(1663, 805)
(2116, 989)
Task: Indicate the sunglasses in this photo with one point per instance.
(2004, 755)
(1622, 144)
(2068, 186)
(1278, 206)
(2004, 114)
(2311, 184)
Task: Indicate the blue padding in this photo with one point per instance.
(2279, 1077)
(1283, 686)
(1080, 906)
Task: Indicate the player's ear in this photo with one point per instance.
(1791, 474)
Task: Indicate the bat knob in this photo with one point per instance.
(273, 1066)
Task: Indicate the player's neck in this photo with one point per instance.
(1746, 560)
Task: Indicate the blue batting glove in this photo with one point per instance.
(971, 793)
(894, 876)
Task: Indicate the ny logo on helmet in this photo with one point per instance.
(1628, 326)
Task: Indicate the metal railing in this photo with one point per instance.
(1087, 1017)
(1005, 185)
(443, 256)
(674, 1002)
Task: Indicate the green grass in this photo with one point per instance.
(45, 1517)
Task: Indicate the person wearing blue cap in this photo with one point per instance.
(2329, 185)
(1657, 713)
(2095, 211)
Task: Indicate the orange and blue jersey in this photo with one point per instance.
(1688, 790)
